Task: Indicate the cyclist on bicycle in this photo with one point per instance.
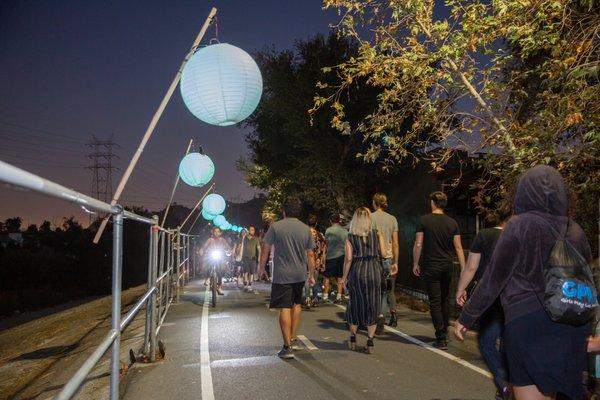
(214, 253)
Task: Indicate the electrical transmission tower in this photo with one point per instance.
(101, 164)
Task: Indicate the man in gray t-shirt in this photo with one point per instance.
(293, 255)
(387, 225)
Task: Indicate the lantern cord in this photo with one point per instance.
(174, 188)
(198, 204)
(217, 28)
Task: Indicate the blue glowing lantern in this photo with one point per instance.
(214, 204)
(219, 220)
(196, 169)
(226, 226)
(221, 84)
(207, 216)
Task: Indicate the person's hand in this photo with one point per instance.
(459, 331)
(394, 269)
(593, 344)
(344, 281)
(417, 270)
(311, 281)
(461, 297)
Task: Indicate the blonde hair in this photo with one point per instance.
(361, 223)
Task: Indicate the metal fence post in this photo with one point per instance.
(149, 285)
(116, 303)
(178, 262)
(154, 273)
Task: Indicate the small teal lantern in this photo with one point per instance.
(219, 220)
(214, 204)
(196, 169)
(221, 84)
(207, 216)
(226, 226)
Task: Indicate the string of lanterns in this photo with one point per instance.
(220, 85)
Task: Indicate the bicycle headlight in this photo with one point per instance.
(216, 255)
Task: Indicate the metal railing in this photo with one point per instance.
(169, 263)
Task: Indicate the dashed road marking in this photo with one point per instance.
(309, 345)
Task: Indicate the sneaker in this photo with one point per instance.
(219, 291)
(441, 344)
(380, 323)
(286, 353)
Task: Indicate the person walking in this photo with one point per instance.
(293, 250)
(436, 243)
(545, 358)
(365, 249)
(335, 250)
(491, 323)
(250, 251)
(387, 225)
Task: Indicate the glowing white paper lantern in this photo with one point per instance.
(207, 216)
(196, 169)
(214, 204)
(221, 84)
(219, 220)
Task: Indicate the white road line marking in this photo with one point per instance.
(168, 323)
(442, 353)
(309, 345)
(205, 372)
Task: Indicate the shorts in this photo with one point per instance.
(286, 295)
(248, 265)
(334, 267)
(546, 354)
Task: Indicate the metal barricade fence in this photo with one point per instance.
(169, 262)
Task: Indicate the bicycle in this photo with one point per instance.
(217, 261)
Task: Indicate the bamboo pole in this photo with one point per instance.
(197, 204)
(154, 121)
(162, 224)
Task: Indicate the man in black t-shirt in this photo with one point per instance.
(437, 242)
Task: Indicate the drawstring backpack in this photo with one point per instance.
(570, 295)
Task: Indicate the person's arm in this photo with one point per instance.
(459, 251)
(264, 258)
(417, 253)
(504, 260)
(204, 246)
(395, 253)
(310, 256)
(466, 276)
(347, 261)
(382, 246)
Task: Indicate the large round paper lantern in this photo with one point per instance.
(207, 216)
(221, 84)
(196, 169)
(214, 204)
(219, 220)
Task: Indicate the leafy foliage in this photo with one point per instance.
(516, 80)
(291, 155)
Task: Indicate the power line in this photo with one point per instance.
(101, 166)
(44, 131)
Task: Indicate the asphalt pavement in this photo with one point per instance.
(228, 352)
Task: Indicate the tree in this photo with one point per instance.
(292, 156)
(13, 225)
(516, 80)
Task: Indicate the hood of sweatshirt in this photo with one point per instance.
(542, 189)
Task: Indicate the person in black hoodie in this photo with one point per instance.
(545, 358)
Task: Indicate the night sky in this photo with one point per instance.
(70, 70)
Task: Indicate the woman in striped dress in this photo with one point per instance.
(362, 275)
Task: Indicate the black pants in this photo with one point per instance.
(437, 280)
